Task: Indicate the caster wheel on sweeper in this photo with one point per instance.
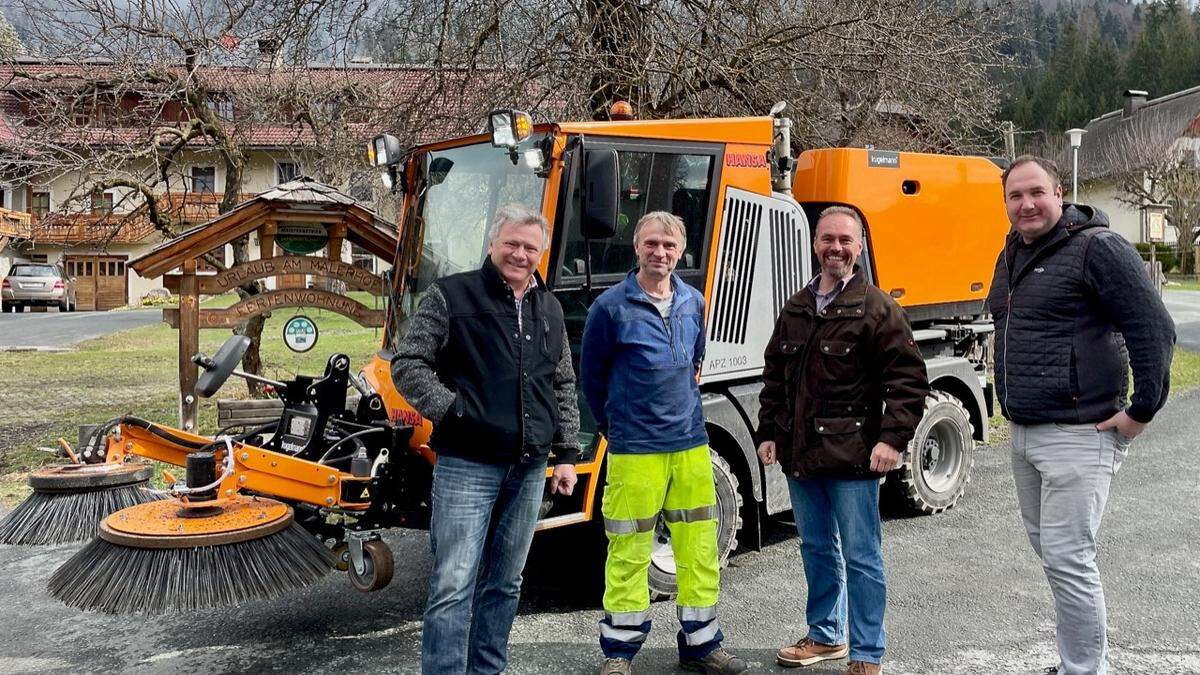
(378, 566)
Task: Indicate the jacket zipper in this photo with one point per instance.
(1007, 322)
(670, 336)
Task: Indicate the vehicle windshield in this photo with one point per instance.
(465, 186)
(32, 271)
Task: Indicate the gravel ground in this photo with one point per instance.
(966, 596)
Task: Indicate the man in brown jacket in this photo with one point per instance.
(844, 388)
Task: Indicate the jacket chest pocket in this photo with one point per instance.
(551, 341)
(686, 331)
(644, 343)
(837, 360)
(792, 351)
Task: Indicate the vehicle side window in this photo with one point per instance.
(680, 183)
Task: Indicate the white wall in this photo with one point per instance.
(1122, 217)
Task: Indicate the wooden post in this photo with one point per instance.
(266, 242)
(189, 344)
(337, 234)
(333, 250)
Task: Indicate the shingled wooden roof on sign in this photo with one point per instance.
(300, 200)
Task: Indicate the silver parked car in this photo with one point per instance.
(30, 284)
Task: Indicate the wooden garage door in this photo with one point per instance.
(101, 282)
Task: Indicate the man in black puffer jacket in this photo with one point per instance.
(1074, 310)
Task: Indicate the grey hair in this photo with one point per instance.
(517, 214)
(845, 211)
(671, 222)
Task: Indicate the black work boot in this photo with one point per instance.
(718, 662)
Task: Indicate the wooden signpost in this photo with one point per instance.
(329, 216)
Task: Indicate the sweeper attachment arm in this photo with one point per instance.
(262, 512)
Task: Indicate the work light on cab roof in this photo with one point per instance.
(385, 151)
(509, 127)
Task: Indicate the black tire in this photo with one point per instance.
(5, 307)
(937, 464)
(378, 566)
(729, 521)
(65, 305)
(18, 308)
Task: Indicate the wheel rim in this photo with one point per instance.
(662, 556)
(942, 456)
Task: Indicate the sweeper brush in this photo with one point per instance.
(70, 500)
(173, 555)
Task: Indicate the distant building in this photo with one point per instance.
(44, 219)
(1141, 132)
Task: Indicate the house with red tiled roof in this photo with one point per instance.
(62, 124)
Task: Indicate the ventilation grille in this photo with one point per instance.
(735, 269)
(787, 256)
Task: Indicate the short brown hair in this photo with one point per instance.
(1048, 166)
(845, 211)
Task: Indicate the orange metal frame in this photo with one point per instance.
(255, 469)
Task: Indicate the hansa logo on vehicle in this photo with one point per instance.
(409, 417)
(752, 160)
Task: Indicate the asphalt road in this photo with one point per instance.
(55, 329)
(1185, 309)
(966, 596)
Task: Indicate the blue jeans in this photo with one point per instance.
(482, 524)
(838, 523)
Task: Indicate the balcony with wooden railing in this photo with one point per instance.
(197, 207)
(91, 228)
(14, 224)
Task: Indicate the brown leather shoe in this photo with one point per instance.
(863, 668)
(807, 652)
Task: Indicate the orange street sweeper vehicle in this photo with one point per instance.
(342, 474)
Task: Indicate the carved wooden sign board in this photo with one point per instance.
(356, 277)
(288, 297)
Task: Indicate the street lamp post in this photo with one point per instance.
(1076, 136)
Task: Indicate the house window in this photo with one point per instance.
(102, 202)
(286, 171)
(204, 179)
(223, 109)
(39, 204)
(39, 258)
(360, 257)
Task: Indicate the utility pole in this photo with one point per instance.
(1010, 141)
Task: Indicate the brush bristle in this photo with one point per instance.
(119, 579)
(59, 518)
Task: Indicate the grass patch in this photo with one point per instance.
(1183, 285)
(45, 396)
(1185, 376)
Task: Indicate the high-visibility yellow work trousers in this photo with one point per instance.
(679, 485)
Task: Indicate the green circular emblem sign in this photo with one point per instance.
(300, 333)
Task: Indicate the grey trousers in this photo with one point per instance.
(1062, 473)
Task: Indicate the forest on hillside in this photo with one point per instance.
(1072, 60)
